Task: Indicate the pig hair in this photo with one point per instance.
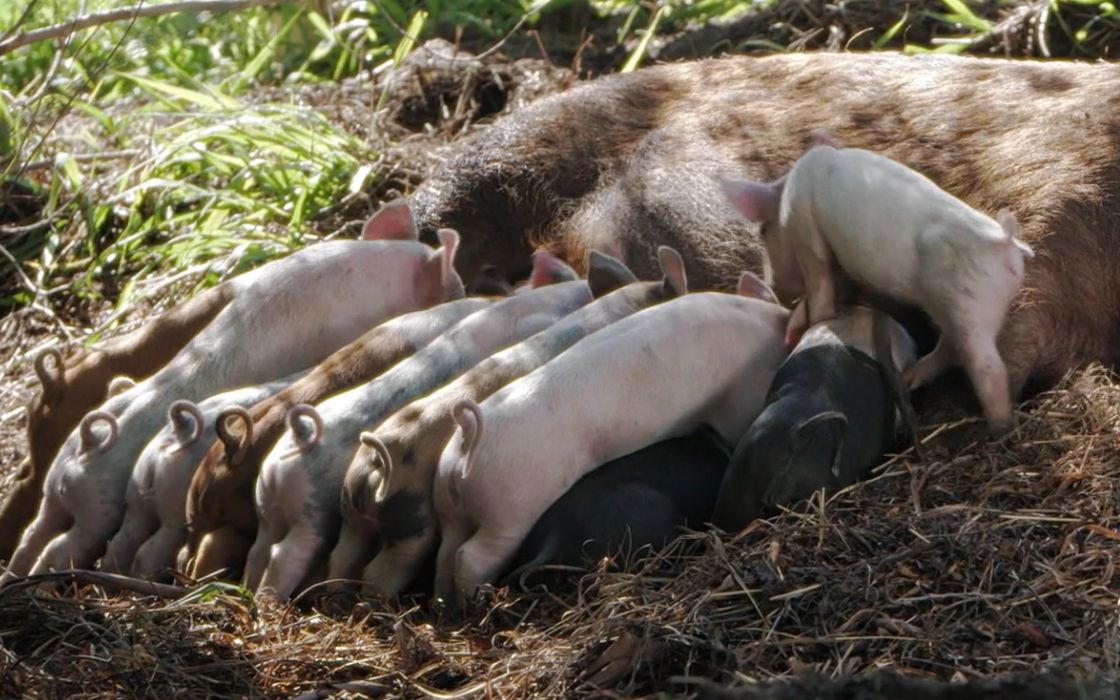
(186, 420)
(89, 440)
(303, 410)
(48, 365)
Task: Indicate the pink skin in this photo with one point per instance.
(895, 232)
(154, 525)
(297, 492)
(289, 313)
(608, 395)
(379, 471)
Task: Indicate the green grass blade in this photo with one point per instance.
(254, 67)
(963, 13)
(639, 53)
(213, 102)
(893, 30)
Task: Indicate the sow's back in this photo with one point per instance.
(631, 162)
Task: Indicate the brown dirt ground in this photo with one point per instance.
(965, 573)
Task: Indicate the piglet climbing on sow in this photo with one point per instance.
(893, 231)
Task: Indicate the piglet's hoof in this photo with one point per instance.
(1000, 427)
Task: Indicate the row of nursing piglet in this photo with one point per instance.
(256, 328)
(82, 504)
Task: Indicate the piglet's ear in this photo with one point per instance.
(803, 433)
(756, 201)
(674, 281)
(823, 137)
(468, 416)
(751, 285)
(450, 282)
(606, 273)
(1010, 226)
(549, 269)
(392, 222)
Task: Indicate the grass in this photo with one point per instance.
(136, 150)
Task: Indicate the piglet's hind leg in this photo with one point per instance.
(930, 366)
(139, 523)
(52, 519)
(290, 560)
(483, 558)
(989, 378)
(75, 549)
(396, 565)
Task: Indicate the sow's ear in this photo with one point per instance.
(751, 285)
(756, 201)
(392, 222)
(606, 273)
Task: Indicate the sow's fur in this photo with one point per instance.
(633, 161)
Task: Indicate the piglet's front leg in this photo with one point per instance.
(798, 324)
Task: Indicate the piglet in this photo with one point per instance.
(154, 523)
(702, 359)
(71, 387)
(633, 503)
(297, 492)
(386, 495)
(219, 502)
(285, 316)
(895, 232)
(830, 416)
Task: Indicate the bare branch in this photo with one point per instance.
(114, 582)
(22, 18)
(23, 38)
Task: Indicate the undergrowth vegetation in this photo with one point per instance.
(141, 150)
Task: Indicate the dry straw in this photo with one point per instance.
(988, 558)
